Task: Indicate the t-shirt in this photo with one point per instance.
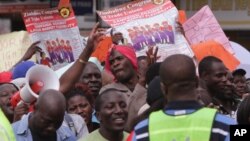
(96, 136)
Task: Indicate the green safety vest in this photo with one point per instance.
(6, 132)
(186, 127)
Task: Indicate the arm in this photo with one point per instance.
(68, 79)
(29, 53)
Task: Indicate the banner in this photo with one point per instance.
(16, 6)
(12, 48)
(145, 23)
(59, 35)
(203, 26)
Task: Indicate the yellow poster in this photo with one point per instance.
(12, 47)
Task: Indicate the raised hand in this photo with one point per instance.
(31, 51)
(95, 36)
(152, 55)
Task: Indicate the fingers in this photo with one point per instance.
(156, 51)
(94, 28)
(37, 42)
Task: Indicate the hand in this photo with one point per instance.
(31, 51)
(152, 56)
(179, 28)
(20, 110)
(95, 36)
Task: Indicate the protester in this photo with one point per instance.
(91, 76)
(111, 110)
(183, 112)
(6, 91)
(72, 75)
(214, 75)
(122, 63)
(46, 120)
(6, 132)
(81, 104)
(239, 80)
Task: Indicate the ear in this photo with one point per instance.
(204, 76)
(164, 90)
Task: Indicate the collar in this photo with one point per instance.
(23, 128)
(63, 133)
(175, 105)
(24, 125)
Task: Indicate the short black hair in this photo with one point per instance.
(78, 92)
(240, 72)
(206, 64)
(10, 84)
(98, 101)
(152, 72)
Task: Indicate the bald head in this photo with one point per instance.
(48, 114)
(177, 73)
(52, 100)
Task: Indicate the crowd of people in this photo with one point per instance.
(143, 100)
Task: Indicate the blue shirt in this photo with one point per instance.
(23, 133)
(220, 129)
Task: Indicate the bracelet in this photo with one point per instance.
(81, 61)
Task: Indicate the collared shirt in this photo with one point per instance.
(96, 136)
(135, 100)
(220, 129)
(23, 133)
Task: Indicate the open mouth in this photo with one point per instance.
(119, 120)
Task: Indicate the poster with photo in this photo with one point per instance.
(59, 35)
(145, 23)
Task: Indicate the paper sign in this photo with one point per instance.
(203, 26)
(12, 47)
(213, 48)
(59, 35)
(145, 23)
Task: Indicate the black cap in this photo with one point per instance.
(241, 72)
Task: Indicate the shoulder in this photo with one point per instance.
(141, 131)
(94, 136)
(66, 133)
(221, 127)
(223, 119)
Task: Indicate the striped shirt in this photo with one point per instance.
(220, 129)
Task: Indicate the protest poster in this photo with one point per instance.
(145, 23)
(59, 35)
(203, 26)
(12, 48)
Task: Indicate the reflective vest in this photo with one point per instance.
(186, 127)
(6, 132)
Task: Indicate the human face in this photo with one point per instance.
(121, 67)
(6, 92)
(91, 76)
(47, 121)
(81, 106)
(217, 77)
(229, 87)
(113, 111)
(240, 84)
